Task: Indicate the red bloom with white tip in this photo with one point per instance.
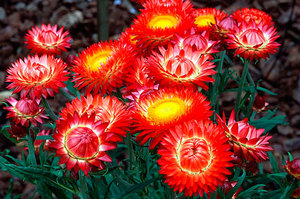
(252, 41)
(248, 142)
(47, 40)
(37, 76)
(103, 67)
(204, 18)
(157, 112)
(175, 66)
(293, 168)
(194, 157)
(108, 110)
(81, 143)
(248, 15)
(25, 111)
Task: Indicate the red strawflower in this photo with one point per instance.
(220, 31)
(248, 15)
(81, 143)
(37, 76)
(103, 67)
(25, 111)
(296, 193)
(227, 186)
(248, 142)
(17, 131)
(252, 41)
(175, 67)
(204, 18)
(185, 6)
(194, 157)
(108, 110)
(157, 27)
(160, 110)
(47, 40)
(293, 168)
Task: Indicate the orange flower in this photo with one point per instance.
(252, 41)
(248, 142)
(204, 18)
(25, 111)
(107, 110)
(103, 67)
(157, 27)
(158, 112)
(37, 76)
(293, 168)
(81, 143)
(248, 15)
(176, 66)
(194, 157)
(47, 40)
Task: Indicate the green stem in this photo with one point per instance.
(217, 81)
(241, 88)
(48, 109)
(31, 155)
(84, 189)
(102, 7)
(252, 98)
(66, 94)
(130, 150)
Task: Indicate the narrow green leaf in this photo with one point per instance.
(273, 162)
(265, 90)
(252, 190)
(83, 194)
(237, 186)
(31, 154)
(285, 193)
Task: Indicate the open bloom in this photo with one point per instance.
(103, 67)
(176, 66)
(194, 157)
(157, 27)
(204, 18)
(108, 110)
(47, 40)
(81, 143)
(156, 113)
(248, 142)
(248, 15)
(293, 168)
(25, 111)
(37, 76)
(252, 41)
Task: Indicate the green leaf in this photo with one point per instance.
(265, 90)
(273, 162)
(31, 155)
(237, 186)
(252, 190)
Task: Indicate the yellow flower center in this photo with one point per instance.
(205, 20)
(163, 21)
(94, 62)
(166, 110)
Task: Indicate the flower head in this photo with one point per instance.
(37, 76)
(176, 66)
(103, 67)
(194, 157)
(204, 18)
(260, 103)
(248, 15)
(156, 113)
(17, 130)
(293, 168)
(81, 143)
(252, 41)
(248, 142)
(25, 111)
(47, 40)
(107, 110)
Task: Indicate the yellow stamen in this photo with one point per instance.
(94, 62)
(163, 21)
(205, 20)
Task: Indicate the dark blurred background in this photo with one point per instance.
(280, 73)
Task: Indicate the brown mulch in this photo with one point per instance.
(280, 74)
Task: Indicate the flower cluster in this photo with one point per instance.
(161, 67)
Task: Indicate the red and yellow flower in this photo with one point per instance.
(204, 18)
(248, 15)
(156, 113)
(47, 40)
(175, 66)
(194, 157)
(103, 67)
(157, 27)
(25, 111)
(37, 76)
(252, 41)
(81, 143)
(108, 110)
(293, 168)
(248, 142)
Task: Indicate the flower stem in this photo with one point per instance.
(48, 109)
(240, 89)
(252, 98)
(102, 7)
